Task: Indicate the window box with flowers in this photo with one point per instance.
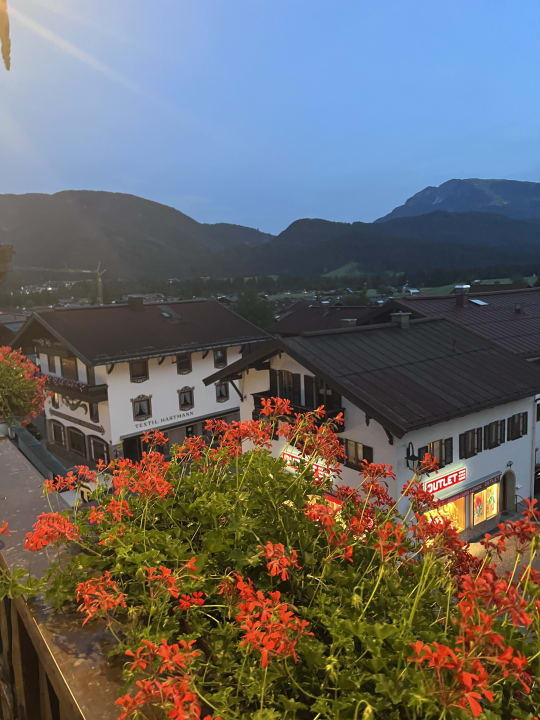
(239, 588)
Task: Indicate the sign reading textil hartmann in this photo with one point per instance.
(446, 481)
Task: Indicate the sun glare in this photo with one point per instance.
(5, 41)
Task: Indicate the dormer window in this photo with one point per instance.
(185, 398)
(183, 363)
(220, 358)
(138, 371)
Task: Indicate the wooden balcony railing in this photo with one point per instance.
(330, 412)
(77, 390)
(50, 667)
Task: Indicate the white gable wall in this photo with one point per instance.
(519, 455)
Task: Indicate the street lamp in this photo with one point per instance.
(411, 459)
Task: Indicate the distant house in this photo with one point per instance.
(117, 371)
(305, 317)
(10, 324)
(510, 318)
(408, 388)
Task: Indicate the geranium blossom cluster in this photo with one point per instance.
(169, 682)
(268, 624)
(470, 670)
(278, 561)
(22, 389)
(50, 528)
(98, 596)
(163, 581)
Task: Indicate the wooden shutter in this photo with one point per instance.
(422, 451)
(273, 383)
(462, 445)
(368, 453)
(309, 390)
(524, 423)
(486, 436)
(295, 395)
(502, 431)
(448, 451)
(509, 429)
(479, 439)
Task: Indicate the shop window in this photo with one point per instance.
(183, 364)
(517, 426)
(51, 363)
(99, 449)
(142, 408)
(220, 358)
(55, 400)
(138, 371)
(222, 391)
(68, 367)
(94, 412)
(485, 504)
(355, 452)
(57, 431)
(443, 450)
(494, 434)
(77, 441)
(185, 398)
(453, 511)
(470, 443)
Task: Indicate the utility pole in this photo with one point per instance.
(98, 272)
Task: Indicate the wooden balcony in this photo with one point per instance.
(50, 667)
(330, 413)
(77, 390)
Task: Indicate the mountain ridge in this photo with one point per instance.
(135, 237)
(519, 199)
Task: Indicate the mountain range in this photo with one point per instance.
(460, 224)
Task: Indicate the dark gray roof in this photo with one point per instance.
(497, 320)
(305, 317)
(117, 332)
(408, 378)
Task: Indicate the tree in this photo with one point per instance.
(253, 308)
(22, 389)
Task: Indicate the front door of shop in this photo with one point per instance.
(132, 448)
(508, 500)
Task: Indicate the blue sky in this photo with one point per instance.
(263, 111)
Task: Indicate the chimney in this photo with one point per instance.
(461, 294)
(135, 302)
(401, 319)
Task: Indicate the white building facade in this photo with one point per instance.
(100, 410)
(486, 457)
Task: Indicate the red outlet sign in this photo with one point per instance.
(446, 481)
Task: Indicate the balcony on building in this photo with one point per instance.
(77, 390)
(332, 406)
